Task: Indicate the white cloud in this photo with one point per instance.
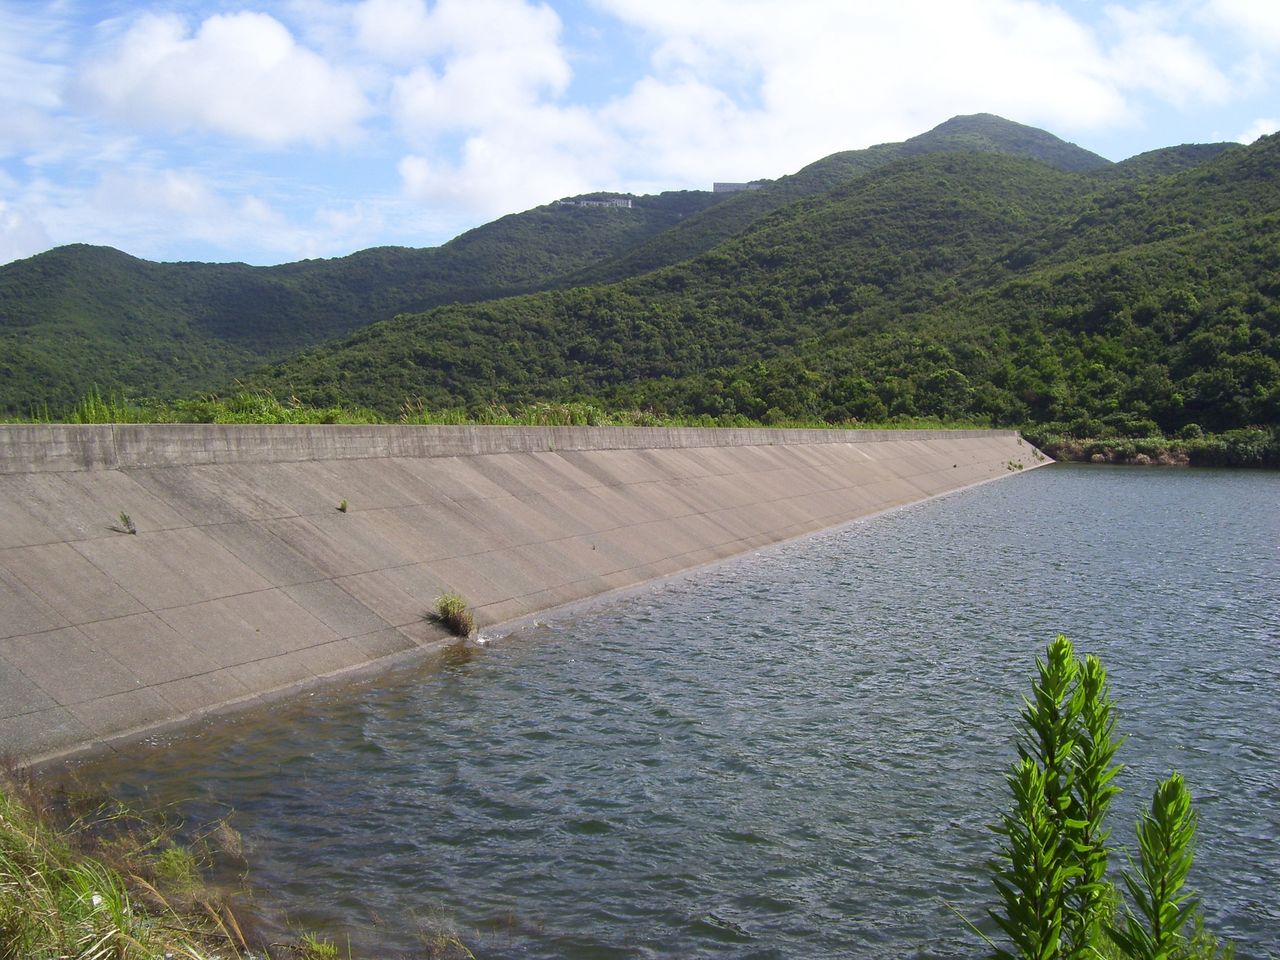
(485, 114)
(395, 30)
(475, 105)
(31, 79)
(240, 74)
(1257, 21)
(1261, 127)
(21, 234)
(497, 59)
(1169, 65)
(546, 154)
(771, 85)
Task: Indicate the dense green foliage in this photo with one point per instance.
(80, 315)
(967, 286)
(978, 133)
(982, 272)
(1056, 901)
(263, 407)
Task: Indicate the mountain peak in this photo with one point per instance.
(988, 133)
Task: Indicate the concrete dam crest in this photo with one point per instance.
(243, 580)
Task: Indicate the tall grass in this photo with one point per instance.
(452, 612)
(56, 902)
(87, 879)
(261, 406)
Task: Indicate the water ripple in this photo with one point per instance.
(795, 754)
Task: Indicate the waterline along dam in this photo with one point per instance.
(153, 574)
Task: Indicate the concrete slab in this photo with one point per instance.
(183, 490)
(19, 694)
(44, 732)
(205, 691)
(465, 575)
(338, 549)
(336, 608)
(330, 658)
(593, 509)
(385, 643)
(79, 591)
(402, 486)
(21, 611)
(113, 715)
(171, 567)
(513, 522)
(216, 627)
(386, 598)
(515, 473)
(427, 635)
(53, 503)
(503, 610)
(238, 492)
(454, 479)
(96, 501)
(554, 565)
(265, 554)
(602, 471)
(19, 526)
(245, 578)
(561, 475)
(268, 490)
(433, 530)
(365, 484)
(150, 649)
(272, 673)
(283, 624)
(67, 665)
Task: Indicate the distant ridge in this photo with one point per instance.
(788, 298)
(980, 132)
(954, 284)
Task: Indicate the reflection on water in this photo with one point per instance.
(795, 754)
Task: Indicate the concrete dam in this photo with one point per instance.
(238, 577)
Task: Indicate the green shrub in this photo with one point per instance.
(1056, 902)
(452, 612)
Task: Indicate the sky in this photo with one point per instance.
(269, 131)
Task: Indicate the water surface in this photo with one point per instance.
(793, 754)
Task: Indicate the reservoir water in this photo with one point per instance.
(795, 754)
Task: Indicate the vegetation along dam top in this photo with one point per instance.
(153, 574)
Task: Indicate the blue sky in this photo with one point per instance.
(274, 130)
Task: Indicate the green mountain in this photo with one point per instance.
(955, 284)
(977, 133)
(79, 315)
(983, 270)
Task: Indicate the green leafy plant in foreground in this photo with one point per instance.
(1051, 876)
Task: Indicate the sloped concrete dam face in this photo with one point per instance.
(244, 578)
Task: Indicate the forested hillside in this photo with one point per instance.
(80, 316)
(984, 271)
(978, 133)
(954, 284)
